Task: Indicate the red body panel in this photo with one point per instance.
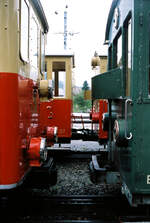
(9, 130)
(19, 122)
(57, 112)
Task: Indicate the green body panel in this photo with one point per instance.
(133, 159)
(108, 85)
(140, 109)
(141, 148)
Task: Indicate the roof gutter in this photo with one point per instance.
(109, 21)
(38, 7)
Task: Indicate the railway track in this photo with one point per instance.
(103, 208)
(31, 205)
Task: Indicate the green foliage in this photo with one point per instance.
(80, 104)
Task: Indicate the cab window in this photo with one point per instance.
(128, 55)
(119, 51)
(110, 58)
(59, 79)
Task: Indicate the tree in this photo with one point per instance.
(85, 86)
(80, 104)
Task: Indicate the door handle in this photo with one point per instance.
(128, 101)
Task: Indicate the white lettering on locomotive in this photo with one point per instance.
(148, 179)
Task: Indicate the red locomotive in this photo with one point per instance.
(58, 111)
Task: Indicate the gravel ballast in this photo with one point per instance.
(73, 175)
(74, 179)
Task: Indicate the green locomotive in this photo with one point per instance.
(126, 85)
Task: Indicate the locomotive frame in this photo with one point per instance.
(126, 86)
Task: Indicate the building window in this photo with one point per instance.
(24, 38)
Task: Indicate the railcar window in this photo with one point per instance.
(128, 62)
(34, 42)
(42, 53)
(24, 38)
(119, 51)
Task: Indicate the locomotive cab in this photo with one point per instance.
(126, 86)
